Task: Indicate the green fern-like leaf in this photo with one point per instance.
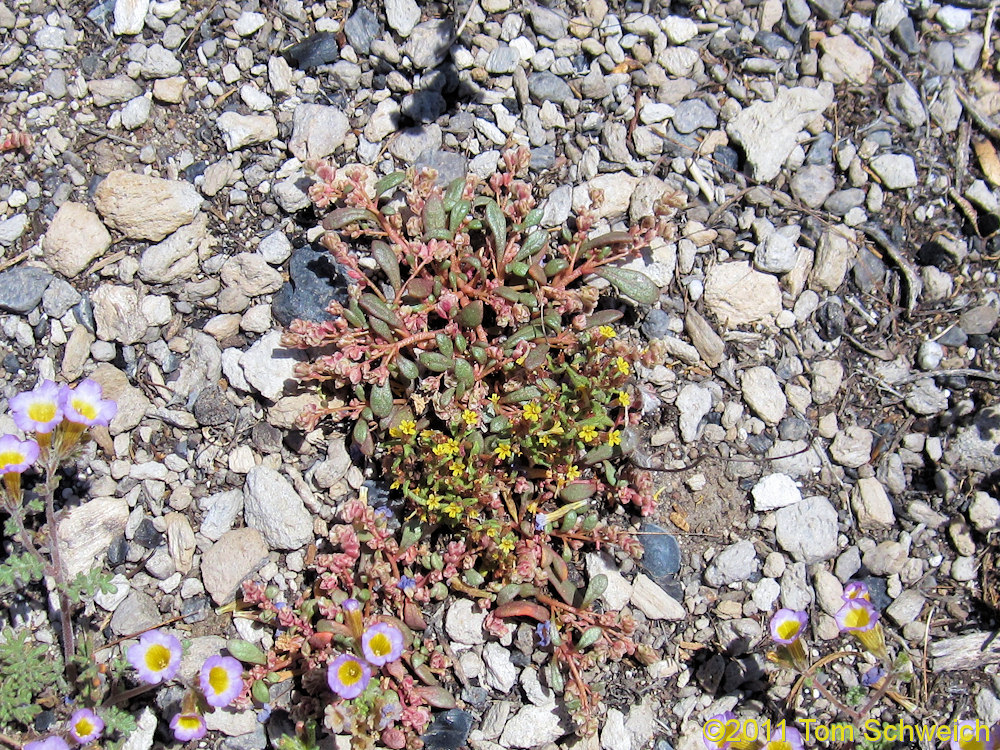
(28, 669)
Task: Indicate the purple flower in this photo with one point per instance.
(405, 583)
(16, 455)
(787, 625)
(856, 590)
(541, 520)
(544, 632)
(39, 410)
(156, 657)
(85, 726)
(970, 736)
(348, 676)
(221, 680)
(264, 714)
(872, 676)
(84, 405)
(389, 714)
(857, 615)
(49, 743)
(382, 643)
(788, 738)
(720, 730)
(188, 726)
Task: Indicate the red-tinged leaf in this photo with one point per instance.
(413, 617)
(611, 238)
(320, 640)
(522, 609)
(436, 696)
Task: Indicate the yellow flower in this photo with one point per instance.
(495, 400)
(427, 434)
(573, 472)
(624, 399)
(453, 509)
(457, 469)
(557, 429)
(433, 501)
(504, 451)
(588, 433)
(394, 432)
(492, 531)
(448, 448)
(615, 437)
(607, 332)
(408, 427)
(507, 545)
(545, 440)
(623, 367)
(395, 485)
(470, 417)
(532, 412)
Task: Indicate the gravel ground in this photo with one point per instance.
(825, 409)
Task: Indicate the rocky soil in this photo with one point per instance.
(827, 411)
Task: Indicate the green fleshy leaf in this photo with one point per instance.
(246, 652)
(631, 283)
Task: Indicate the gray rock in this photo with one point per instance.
(11, 229)
(118, 314)
(906, 608)
(226, 564)
(813, 184)
(548, 87)
(177, 256)
(144, 207)
(885, 559)
(762, 393)
(137, 612)
(871, 504)
(768, 131)
(273, 507)
(59, 298)
(130, 17)
(239, 131)
(693, 402)
(827, 375)
(775, 491)
(709, 344)
(429, 43)
(777, 254)
(737, 562)
(87, 531)
(317, 131)
(412, 142)
(967, 50)
(275, 248)
(549, 23)
(897, 171)
(160, 62)
(361, 29)
(464, 623)
(904, 104)
(503, 60)
(692, 114)
(978, 320)
(291, 194)
(21, 288)
(808, 530)
(402, 15)
(852, 447)
(113, 90)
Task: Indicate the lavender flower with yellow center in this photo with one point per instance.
(38, 411)
(82, 407)
(156, 657)
(974, 735)
(787, 627)
(856, 590)
(85, 726)
(724, 731)
(859, 618)
(221, 680)
(382, 643)
(787, 738)
(15, 458)
(188, 726)
(348, 676)
(49, 743)
(352, 617)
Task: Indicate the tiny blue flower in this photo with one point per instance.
(264, 714)
(405, 583)
(544, 632)
(872, 676)
(541, 520)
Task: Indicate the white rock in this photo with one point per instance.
(135, 114)
(654, 602)
(143, 207)
(275, 248)
(737, 562)
(679, 29)
(254, 98)
(737, 294)
(613, 735)
(984, 512)
(827, 376)
(765, 593)
(86, 532)
(693, 402)
(268, 366)
(273, 507)
(808, 529)
(402, 15)
(762, 393)
(619, 590)
(777, 254)
(141, 737)
(768, 131)
(317, 131)
(130, 16)
(501, 674)
(75, 238)
(871, 504)
(177, 256)
(464, 623)
(532, 726)
(852, 447)
(897, 171)
(617, 190)
(118, 314)
(249, 23)
(240, 131)
(11, 229)
(223, 508)
(121, 589)
(775, 491)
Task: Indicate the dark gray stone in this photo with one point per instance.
(954, 336)
(821, 150)
(793, 428)
(543, 157)
(212, 408)
(314, 280)
(423, 106)
(449, 165)
(830, 320)
(21, 288)
(772, 42)
(655, 326)
(147, 535)
(314, 51)
(869, 271)
(842, 201)
(545, 86)
(905, 35)
(661, 556)
(693, 114)
(361, 29)
(448, 731)
(831, 10)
